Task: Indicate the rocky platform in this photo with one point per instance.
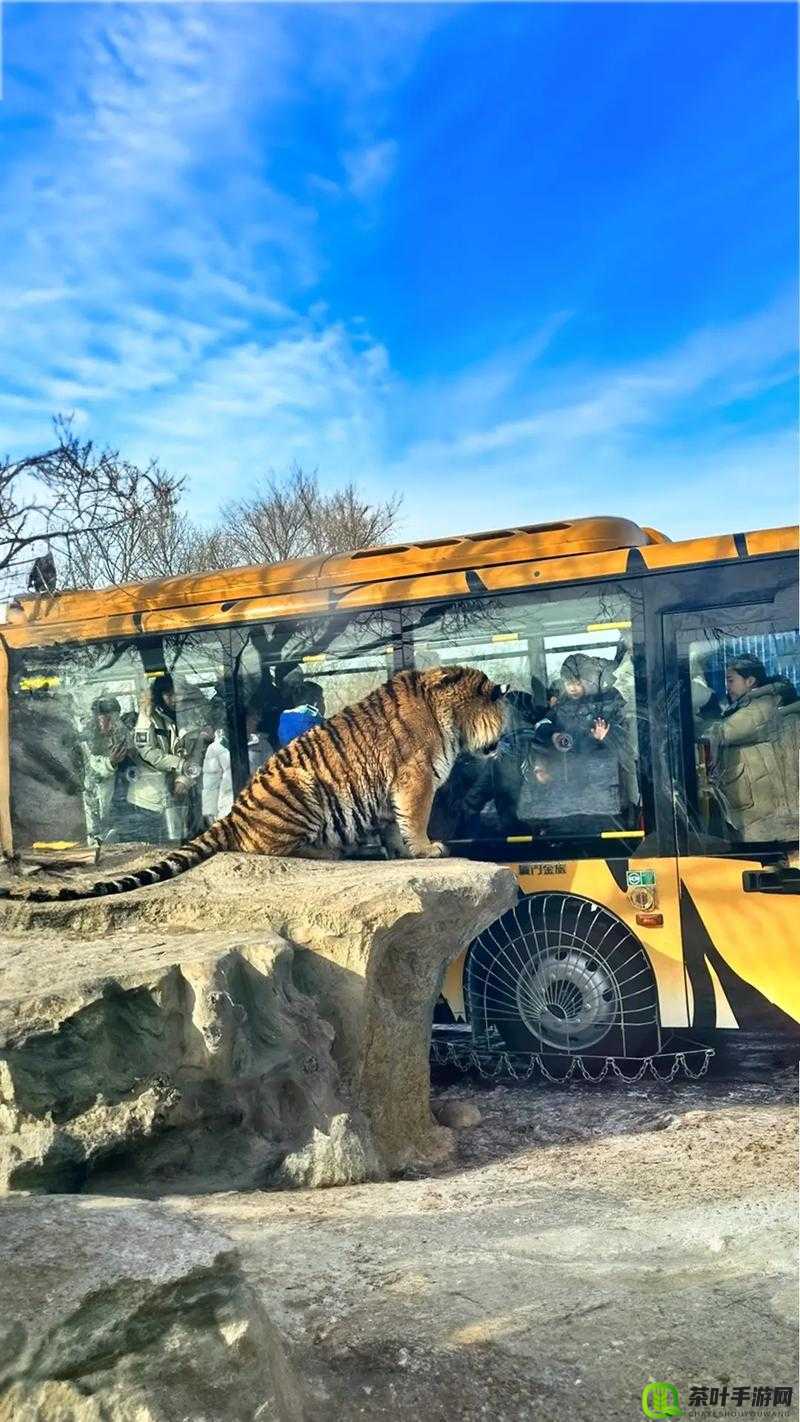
(254, 1023)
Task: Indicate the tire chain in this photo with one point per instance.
(493, 1065)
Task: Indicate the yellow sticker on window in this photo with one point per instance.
(38, 683)
(608, 626)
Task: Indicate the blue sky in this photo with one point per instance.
(519, 262)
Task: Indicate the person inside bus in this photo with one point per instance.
(217, 778)
(200, 719)
(158, 785)
(706, 705)
(588, 729)
(105, 747)
(309, 711)
(528, 730)
(752, 748)
(259, 746)
(460, 806)
(541, 800)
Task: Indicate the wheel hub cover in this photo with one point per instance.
(568, 999)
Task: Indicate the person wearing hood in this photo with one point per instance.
(588, 728)
(752, 773)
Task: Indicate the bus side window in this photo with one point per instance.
(109, 739)
(745, 707)
(72, 712)
(567, 766)
(294, 674)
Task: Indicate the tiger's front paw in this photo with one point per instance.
(434, 850)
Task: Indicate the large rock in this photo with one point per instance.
(120, 1312)
(274, 1030)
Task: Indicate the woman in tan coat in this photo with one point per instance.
(751, 771)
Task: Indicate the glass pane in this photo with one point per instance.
(745, 709)
(199, 663)
(568, 765)
(291, 675)
(110, 741)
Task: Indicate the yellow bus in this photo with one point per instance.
(660, 899)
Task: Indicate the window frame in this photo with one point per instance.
(543, 849)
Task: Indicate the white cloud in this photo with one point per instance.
(316, 396)
(154, 277)
(369, 169)
(709, 368)
(614, 441)
(682, 491)
(119, 274)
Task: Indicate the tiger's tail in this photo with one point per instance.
(212, 841)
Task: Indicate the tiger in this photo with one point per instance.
(371, 770)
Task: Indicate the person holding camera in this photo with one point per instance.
(161, 775)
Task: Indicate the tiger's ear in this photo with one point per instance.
(498, 691)
(451, 678)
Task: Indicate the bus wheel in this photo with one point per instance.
(561, 975)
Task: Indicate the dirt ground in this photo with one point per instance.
(588, 1240)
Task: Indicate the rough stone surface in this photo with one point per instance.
(120, 1312)
(255, 1022)
(157, 1060)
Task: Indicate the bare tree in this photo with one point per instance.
(293, 518)
(344, 521)
(209, 549)
(90, 518)
(84, 505)
(160, 540)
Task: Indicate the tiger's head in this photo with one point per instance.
(473, 703)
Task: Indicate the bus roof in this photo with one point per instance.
(552, 551)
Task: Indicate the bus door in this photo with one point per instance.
(733, 674)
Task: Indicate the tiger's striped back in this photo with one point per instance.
(329, 786)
